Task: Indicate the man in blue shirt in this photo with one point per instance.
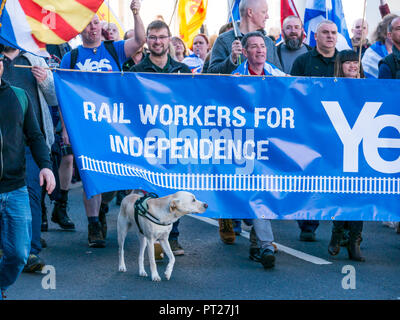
(93, 55)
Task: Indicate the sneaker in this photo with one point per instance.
(34, 263)
(158, 252)
(254, 254)
(307, 236)
(102, 218)
(60, 216)
(267, 259)
(176, 248)
(226, 231)
(95, 236)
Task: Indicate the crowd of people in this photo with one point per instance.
(36, 154)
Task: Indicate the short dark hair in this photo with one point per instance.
(157, 25)
(249, 35)
(344, 56)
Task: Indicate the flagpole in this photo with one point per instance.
(362, 37)
(173, 13)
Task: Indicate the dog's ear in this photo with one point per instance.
(173, 205)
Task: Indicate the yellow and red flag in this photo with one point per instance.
(31, 24)
(192, 14)
(105, 13)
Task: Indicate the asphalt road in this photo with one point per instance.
(211, 270)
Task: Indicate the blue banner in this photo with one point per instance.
(268, 147)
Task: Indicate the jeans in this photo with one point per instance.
(15, 229)
(308, 225)
(174, 234)
(35, 200)
(263, 231)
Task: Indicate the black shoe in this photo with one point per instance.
(34, 263)
(254, 254)
(95, 236)
(102, 218)
(267, 259)
(307, 236)
(60, 216)
(43, 243)
(45, 225)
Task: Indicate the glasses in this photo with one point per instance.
(154, 38)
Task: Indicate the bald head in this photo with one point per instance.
(359, 30)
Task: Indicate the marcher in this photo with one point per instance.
(179, 49)
(18, 128)
(360, 32)
(94, 55)
(381, 47)
(200, 47)
(389, 67)
(227, 55)
(347, 66)
(158, 60)
(319, 62)
(292, 46)
(38, 83)
(255, 52)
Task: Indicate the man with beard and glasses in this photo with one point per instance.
(293, 46)
(158, 60)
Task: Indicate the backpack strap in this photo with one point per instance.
(22, 98)
(109, 44)
(74, 58)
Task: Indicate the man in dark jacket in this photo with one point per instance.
(319, 62)
(158, 37)
(18, 127)
(226, 53)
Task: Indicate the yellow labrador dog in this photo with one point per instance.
(155, 224)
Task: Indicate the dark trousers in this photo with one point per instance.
(308, 225)
(354, 227)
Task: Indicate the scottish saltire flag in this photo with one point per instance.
(31, 24)
(371, 58)
(269, 70)
(235, 11)
(319, 10)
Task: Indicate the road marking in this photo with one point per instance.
(290, 251)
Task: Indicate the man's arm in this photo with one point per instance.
(132, 45)
(221, 60)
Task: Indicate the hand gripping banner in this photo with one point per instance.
(266, 147)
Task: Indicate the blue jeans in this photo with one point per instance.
(15, 229)
(35, 200)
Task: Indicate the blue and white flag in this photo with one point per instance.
(320, 10)
(235, 11)
(267, 147)
(269, 70)
(371, 58)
